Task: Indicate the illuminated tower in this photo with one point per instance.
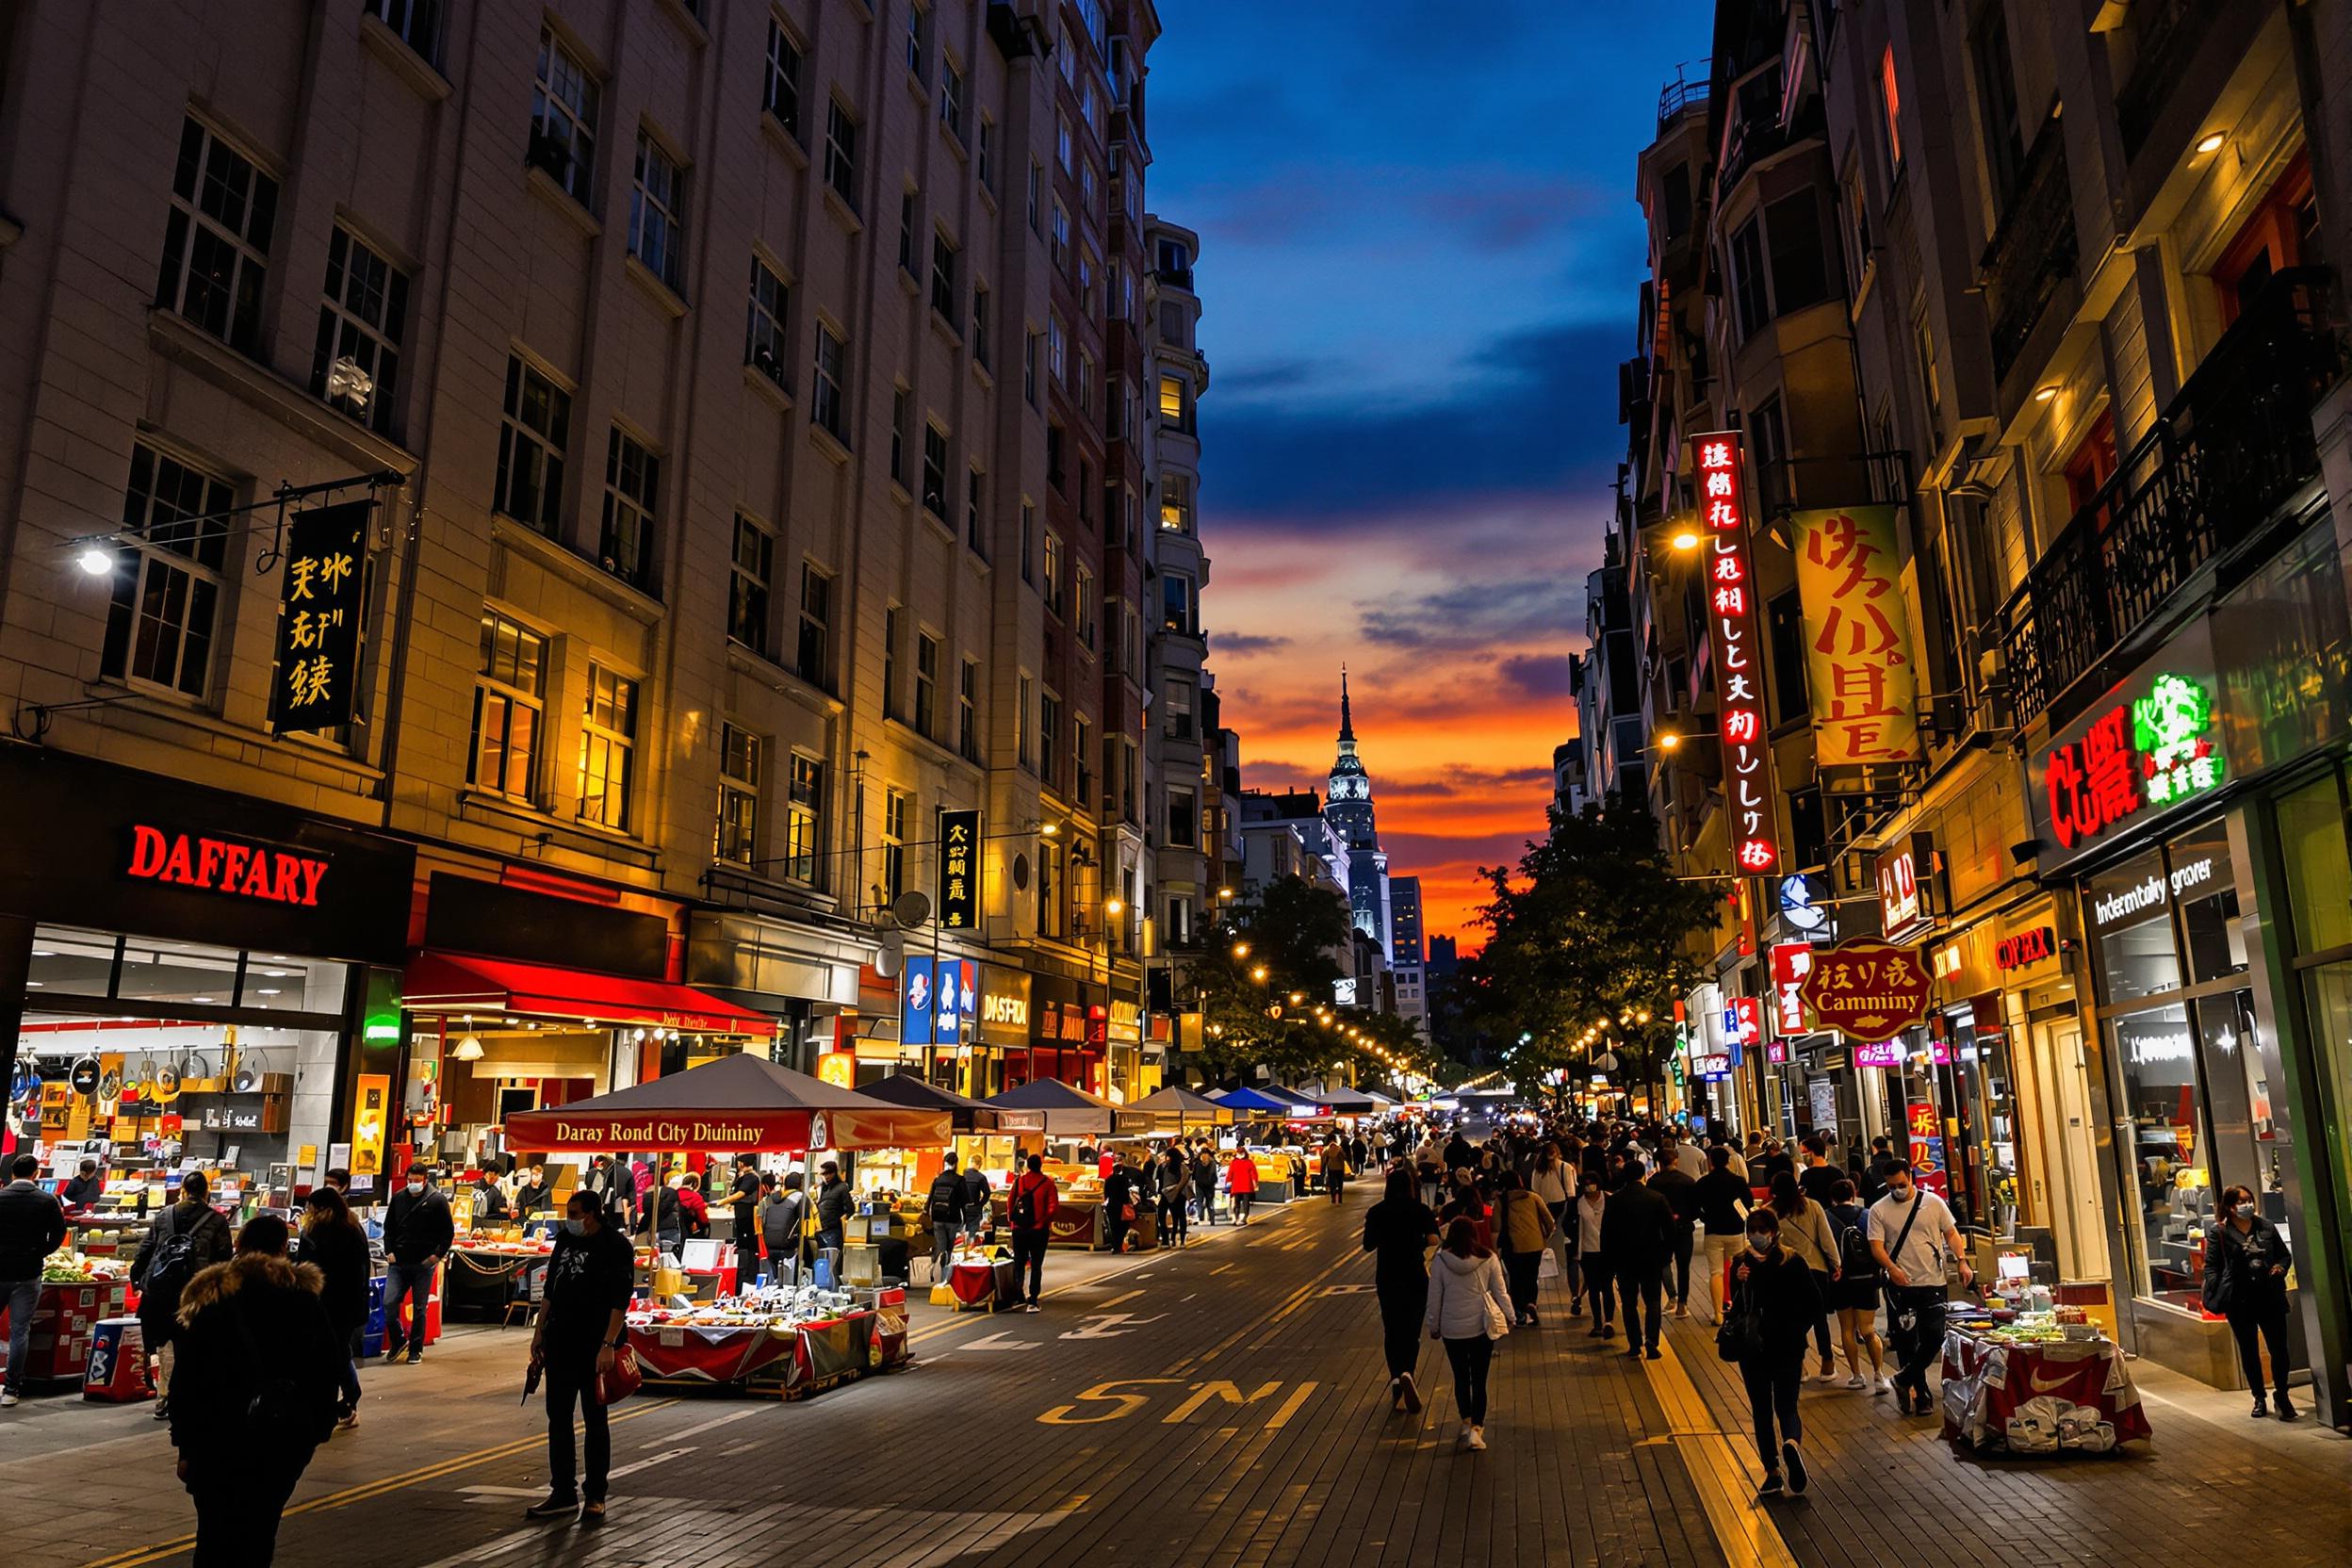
(1348, 810)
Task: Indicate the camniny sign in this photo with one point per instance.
(224, 865)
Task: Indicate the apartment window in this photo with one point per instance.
(1997, 104)
(988, 155)
(362, 318)
(1053, 571)
(934, 471)
(563, 118)
(608, 739)
(1050, 740)
(952, 99)
(167, 583)
(1179, 933)
(415, 23)
(967, 711)
(1177, 703)
(750, 573)
(825, 391)
(1082, 592)
(976, 532)
(1050, 888)
(1086, 384)
(1751, 305)
(1792, 231)
(1857, 232)
(1028, 542)
(918, 29)
(534, 436)
(889, 662)
(927, 683)
(944, 291)
(907, 260)
(897, 806)
(1931, 380)
(840, 153)
(782, 96)
(1675, 200)
(633, 481)
(510, 694)
(215, 242)
(1183, 818)
(982, 351)
(1175, 261)
(764, 338)
(1176, 504)
(1786, 628)
(902, 433)
(803, 821)
(655, 236)
(1175, 401)
(815, 652)
(1176, 609)
(1130, 771)
(1062, 142)
(1086, 187)
(1056, 350)
(738, 836)
(1890, 99)
(1058, 243)
(1768, 454)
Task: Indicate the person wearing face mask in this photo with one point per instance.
(1776, 1303)
(582, 1320)
(1916, 1243)
(2246, 1282)
(417, 1230)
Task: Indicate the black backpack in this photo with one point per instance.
(169, 1270)
(1024, 1206)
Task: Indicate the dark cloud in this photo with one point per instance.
(1277, 375)
(1537, 675)
(1476, 614)
(1510, 213)
(1247, 642)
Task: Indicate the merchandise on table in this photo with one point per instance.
(794, 1338)
(2037, 1383)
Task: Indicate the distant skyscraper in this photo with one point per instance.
(1404, 913)
(1348, 810)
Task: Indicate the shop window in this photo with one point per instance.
(739, 796)
(170, 576)
(2128, 913)
(2205, 886)
(508, 698)
(2173, 1197)
(2319, 871)
(2282, 231)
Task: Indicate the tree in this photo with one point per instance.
(1266, 984)
(1588, 946)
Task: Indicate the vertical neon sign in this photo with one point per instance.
(1731, 622)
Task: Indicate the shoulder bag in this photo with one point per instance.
(1741, 1335)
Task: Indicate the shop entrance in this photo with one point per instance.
(2083, 1241)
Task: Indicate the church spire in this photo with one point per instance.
(1346, 721)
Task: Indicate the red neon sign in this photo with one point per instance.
(1731, 624)
(229, 866)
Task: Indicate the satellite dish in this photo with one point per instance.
(911, 910)
(893, 954)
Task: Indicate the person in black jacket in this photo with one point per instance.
(1118, 1206)
(418, 1230)
(1721, 1200)
(944, 1208)
(2246, 1282)
(1677, 1186)
(581, 1322)
(32, 1226)
(258, 1369)
(783, 1225)
(1773, 1292)
(333, 1243)
(1636, 1237)
(976, 1216)
(161, 1277)
(1398, 1232)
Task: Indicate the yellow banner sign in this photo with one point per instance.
(1857, 637)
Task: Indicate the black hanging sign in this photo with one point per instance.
(959, 864)
(318, 675)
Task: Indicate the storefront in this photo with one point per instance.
(1068, 1028)
(183, 975)
(801, 976)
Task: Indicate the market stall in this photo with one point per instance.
(2031, 1383)
(792, 1341)
(1279, 1171)
(1178, 1110)
(1070, 1116)
(75, 1296)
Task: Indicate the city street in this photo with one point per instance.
(1218, 1406)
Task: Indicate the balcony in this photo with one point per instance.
(2234, 447)
(1681, 93)
(2033, 252)
(1754, 141)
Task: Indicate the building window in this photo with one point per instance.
(1177, 702)
(1056, 350)
(1751, 303)
(1183, 818)
(750, 574)
(167, 586)
(1176, 504)
(1082, 751)
(803, 821)
(815, 652)
(608, 736)
(215, 242)
(918, 26)
(533, 439)
(1086, 384)
(825, 391)
(1062, 142)
(509, 697)
(1029, 371)
(781, 97)
(907, 262)
(1058, 242)
(934, 471)
(738, 835)
(1050, 740)
(764, 338)
(1036, 186)
(415, 23)
(975, 532)
(988, 155)
(1053, 585)
(1028, 542)
(563, 118)
(1792, 233)
(944, 293)
(362, 319)
(902, 433)
(927, 683)
(1021, 724)
(657, 198)
(952, 99)
(840, 153)
(889, 662)
(1176, 608)
(1083, 596)
(1175, 402)
(897, 806)
(980, 346)
(1130, 771)
(1049, 859)
(967, 711)
(1858, 246)
(1178, 921)
(632, 482)
(1890, 99)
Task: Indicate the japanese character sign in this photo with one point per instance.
(1866, 990)
(959, 870)
(2133, 752)
(315, 684)
(1858, 636)
(1732, 644)
(2172, 728)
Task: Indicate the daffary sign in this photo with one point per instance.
(230, 866)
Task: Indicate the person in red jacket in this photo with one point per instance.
(1029, 1205)
(1241, 1179)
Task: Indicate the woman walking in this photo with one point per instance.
(1398, 1231)
(1855, 1296)
(1241, 1179)
(1591, 1268)
(2246, 1282)
(1774, 1306)
(1469, 1309)
(333, 1243)
(1523, 1224)
(1548, 1181)
(1465, 1203)
(581, 1320)
(1805, 1229)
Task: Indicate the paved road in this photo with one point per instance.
(1220, 1406)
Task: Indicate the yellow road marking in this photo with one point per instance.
(1745, 1531)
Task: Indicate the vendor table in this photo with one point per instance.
(1986, 1383)
(994, 1283)
(62, 1320)
(484, 1283)
(793, 1360)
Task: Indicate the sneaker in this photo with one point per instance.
(1653, 1353)
(554, 1506)
(1028, 1306)
(1825, 1376)
(9, 1396)
(1886, 1385)
(1478, 1440)
(1857, 1380)
(1412, 1392)
(163, 1409)
(1681, 1311)
(1771, 1487)
(1575, 1309)
(1794, 1459)
(1461, 1438)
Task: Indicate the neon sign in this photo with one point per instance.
(2171, 727)
(1738, 667)
(2159, 750)
(223, 865)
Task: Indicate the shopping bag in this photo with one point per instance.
(621, 1380)
(1549, 1267)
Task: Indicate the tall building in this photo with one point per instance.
(1348, 810)
(1405, 950)
(1571, 787)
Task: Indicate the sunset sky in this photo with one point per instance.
(1418, 273)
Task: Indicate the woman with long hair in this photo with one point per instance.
(1805, 1229)
(1773, 1305)
(1468, 1309)
(1591, 1268)
(1398, 1231)
(333, 1242)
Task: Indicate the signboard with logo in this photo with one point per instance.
(959, 870)
(1744, 1026)
(1857, 637)
(1879, 1054)
(1004, 1006)
(1903, 879)
(318, 611)
(2154, 745)
(1867, 988)
(1791, 963)
(937, 998)
(1737, 651)
(2032, 945)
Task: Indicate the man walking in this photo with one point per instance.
(976, 1201)
(1029, 1204)
(945, 1208)
(1636, 1237)
(418, 1230)
(1722, 1201)
(1915, 1241)
(1678, 1189)
(32, 1226)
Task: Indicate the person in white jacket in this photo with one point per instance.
(1469, 1309)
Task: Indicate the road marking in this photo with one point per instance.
(1290, 1406)
(1220, 1268)
(1203, 1392)
(500, 1546)
(1117, 1300)
(1745, 1532)
(1348, 1290)
(649, 1462)
(701, 1427)
(1108, 1325)
(998, 1341)
(482, 1489)
(1064, 1415)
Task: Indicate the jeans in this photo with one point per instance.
(1720, 1252)
(1826, 1289)
(2269, 1323)
(943, 1233)
(1917, 1347)
(1683, 1237)
(1520, 1268)
(1773, 1381)
(1029, 1250)
(238, 1503)
(1470, 1359)
(570, 1382)
(1402, 1303)
(23, 1298)
(347, 1381)
(413, 1283)
(1647, 1285)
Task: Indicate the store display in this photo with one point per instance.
(2037, 1381)
(794, 1339)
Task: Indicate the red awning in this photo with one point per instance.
(443, 982)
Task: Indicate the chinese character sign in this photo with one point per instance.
(1857, 637)
(317, 655)
(1866, 990)
(959, 870)
(2172, 728)
(1791, 963)
(1736, 648)
(2135, 752)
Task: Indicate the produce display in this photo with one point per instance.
(777, 1309)
(73, 1268)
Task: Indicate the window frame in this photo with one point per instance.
(816, 626)
(221, 205)
(356, 268)
(511, 693)
(148, 570)
(735, 835)
(631, 510)
(550, 448)
(579, 112)
(780, 92)
(657, 203)
(607, 748)
(750, 599)
(768, 323)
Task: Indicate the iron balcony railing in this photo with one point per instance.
(2233, 448)
(2033, 252)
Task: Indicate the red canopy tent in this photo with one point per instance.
(738, 1105)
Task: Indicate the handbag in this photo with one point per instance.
(1740, 1334)
(1498, 1320)
(620, 1380)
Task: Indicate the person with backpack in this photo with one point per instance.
(1773, 1306)
(1029, 1205)
(1857, 1296)
(32, 1226)
(976, 1216)
(418, 1230)
(1914, 1240)
(944, 1208)
(782, 1223)
(189, 1236)
(259, 1366)
(582, 1323)
(333, 1243)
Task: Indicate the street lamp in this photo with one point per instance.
(1686, 541)
(1241, 950)
(1258, 973)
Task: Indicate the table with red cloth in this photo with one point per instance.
(793, 1358)
(1987, 1381)
(990, 1282)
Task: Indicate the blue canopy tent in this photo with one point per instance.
(1256, 1101)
